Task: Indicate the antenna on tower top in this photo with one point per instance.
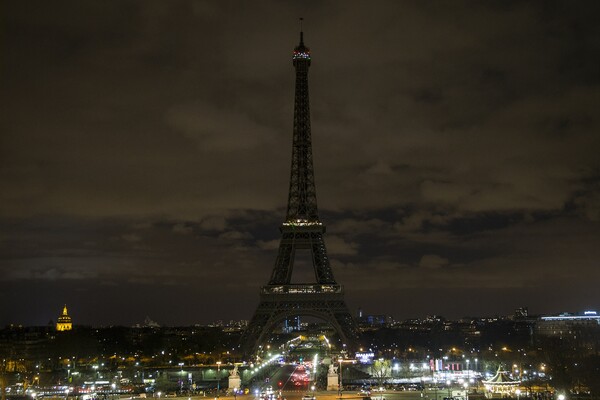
(301, 33)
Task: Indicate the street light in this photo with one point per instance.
(340, 387)
(218, 377)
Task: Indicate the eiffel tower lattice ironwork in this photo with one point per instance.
(280, 298)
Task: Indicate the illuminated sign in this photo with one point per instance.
(365, 358)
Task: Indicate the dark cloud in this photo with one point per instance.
(145, 149)
(432, 261)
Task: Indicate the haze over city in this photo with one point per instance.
(145, 156)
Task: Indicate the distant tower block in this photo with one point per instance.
(64, 323)
(302, 232)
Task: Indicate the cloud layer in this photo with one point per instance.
(146, 149)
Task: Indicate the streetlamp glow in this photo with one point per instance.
(218, 378)
(340, 388)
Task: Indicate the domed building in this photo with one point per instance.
(64, 322)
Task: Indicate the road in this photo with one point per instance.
(291, 378)
(294, 381)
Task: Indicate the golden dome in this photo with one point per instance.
(64, 323)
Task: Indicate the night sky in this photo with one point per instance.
(145, 152)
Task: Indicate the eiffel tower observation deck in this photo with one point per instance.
(302, 230)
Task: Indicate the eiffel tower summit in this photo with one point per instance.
(302, 230)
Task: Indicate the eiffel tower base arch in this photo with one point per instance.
(325, 302)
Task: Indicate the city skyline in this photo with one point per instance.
(146, 153)
(366, 319)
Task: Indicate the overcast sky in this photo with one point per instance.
(145, 154)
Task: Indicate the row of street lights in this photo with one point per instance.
(218, 378)
(448, 386)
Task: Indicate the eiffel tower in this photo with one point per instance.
(281, 299)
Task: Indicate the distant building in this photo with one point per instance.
(149, 323)
(521, 312)
(577, 330)
(578, 318)
(371, 321)
(567, 324)
(64, 322)
(291, 324)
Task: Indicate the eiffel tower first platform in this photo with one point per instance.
(281, 299)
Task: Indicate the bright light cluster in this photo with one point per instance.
(301, 54)
(302, 222)
(299, 289)
(259, 366)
